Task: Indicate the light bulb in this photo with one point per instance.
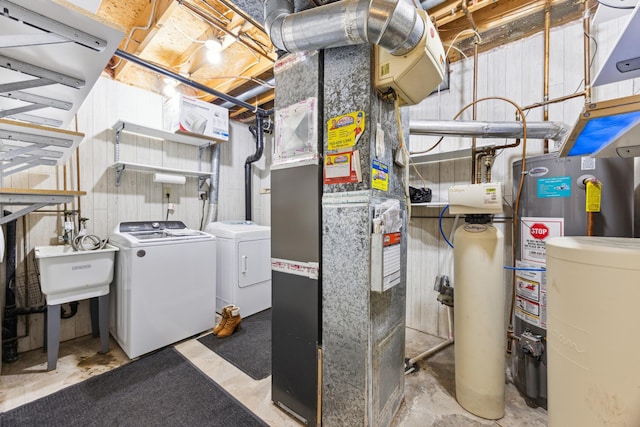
(213, 45)
(213, 56)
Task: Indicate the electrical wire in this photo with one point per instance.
(404, 153)
(440, 225)
(450, 46)
(146, 27)
(466, 30)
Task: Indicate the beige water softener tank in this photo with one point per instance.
(479, 319)
(593, 286)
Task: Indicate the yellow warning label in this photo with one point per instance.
(594, 195)
(384, 69)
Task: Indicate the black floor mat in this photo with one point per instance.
(249, 348)
(162, 389)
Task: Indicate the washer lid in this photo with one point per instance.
(238, 229)
(613, 252)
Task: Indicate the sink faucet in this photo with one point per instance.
(69, 227)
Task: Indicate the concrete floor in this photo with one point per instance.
(429, 392)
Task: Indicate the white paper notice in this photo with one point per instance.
(534, 233)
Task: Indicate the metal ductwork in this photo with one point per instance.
(395, 25)
(555, 131)
(258, 90)
(214, 185)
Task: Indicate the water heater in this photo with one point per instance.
(552, 204)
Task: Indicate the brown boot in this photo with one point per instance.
(232, 323)
(223, 319)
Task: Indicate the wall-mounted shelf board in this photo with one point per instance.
(52, 53)
(435, 204)
(121, 166)
(183, 137)
(23, 145)
(33, 199)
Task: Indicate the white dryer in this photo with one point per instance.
(243, 265)
(164, 288)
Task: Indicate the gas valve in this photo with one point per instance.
(531, 344)
(444, 289)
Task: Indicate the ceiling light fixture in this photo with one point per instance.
(214, 50)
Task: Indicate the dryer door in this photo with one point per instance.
(254, 262)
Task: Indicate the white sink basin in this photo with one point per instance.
(67, 275)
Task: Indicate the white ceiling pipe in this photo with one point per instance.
(393, 24)
(555, 131)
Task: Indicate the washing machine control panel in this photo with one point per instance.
(136, 226)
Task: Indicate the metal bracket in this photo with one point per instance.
(201, 181)
(8, 218)
(13, 11)
(119, 170)
(531, 344)
(117, 143)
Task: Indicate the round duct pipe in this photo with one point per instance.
(393, 24)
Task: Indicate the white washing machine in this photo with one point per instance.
(164, 288)
(244, 265)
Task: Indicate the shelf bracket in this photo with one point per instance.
(119, 170)
(117, 143)
(58, 32)
(201, 181)
(8, 218)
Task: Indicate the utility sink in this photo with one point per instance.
(68, 275)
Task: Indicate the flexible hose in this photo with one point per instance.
(88, 242)
(441, 229)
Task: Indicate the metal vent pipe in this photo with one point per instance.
(393, 24)
(556, 131)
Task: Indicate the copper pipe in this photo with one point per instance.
(587, 52)
(78, 176)
(468, 14)
(553, 101)
(474, 109)
(479, 158)
(590, 224)
(547, 26)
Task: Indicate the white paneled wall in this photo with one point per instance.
(137, 197)
(513, 71)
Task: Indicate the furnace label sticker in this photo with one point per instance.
(345, 131)
(558, 186)
(534, 232)
(379, 175)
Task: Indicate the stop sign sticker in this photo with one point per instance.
(539, 231)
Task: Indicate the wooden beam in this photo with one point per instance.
(265, 97)
(142, 35)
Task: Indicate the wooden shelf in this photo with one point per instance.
(33, 199)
